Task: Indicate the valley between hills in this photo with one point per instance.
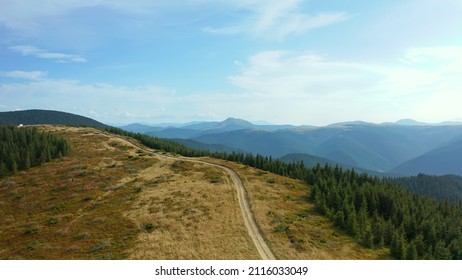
(112, 198)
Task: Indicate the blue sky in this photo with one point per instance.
(300, 62)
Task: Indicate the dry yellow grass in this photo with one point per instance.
(111, 200)
(290, 223)
(188, 215)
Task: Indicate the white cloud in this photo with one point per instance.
(406, 24)
(277, 86)
(277, 19)
(276, 72)
(27, 50)
(106, 102)
(27, 75)
(273, 19)
(305, 86)
(119, 104)
(18, 13)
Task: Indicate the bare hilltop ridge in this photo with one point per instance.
(109, 199)
(85, 191)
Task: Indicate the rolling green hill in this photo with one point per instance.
(30, 117)
(441, 161)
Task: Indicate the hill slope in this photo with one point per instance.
(31, 117)
(441, 161)
(207, 147)
(110, 200)
(140, 128)
(311, 161)
(448, 187)
(361, 145)
(372, 147)
(107, 198)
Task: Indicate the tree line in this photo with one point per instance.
(25, 147)
(447, 187)
(379, 213)
(376, 212)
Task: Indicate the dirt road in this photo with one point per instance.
(252, 227)
(251, 224)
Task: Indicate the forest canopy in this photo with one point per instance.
(25, 147)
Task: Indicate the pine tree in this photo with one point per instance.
(368, 238)
(412, 252)
(441, 251)
(27, 147)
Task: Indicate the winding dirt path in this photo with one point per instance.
(260, 243)
(262, 247)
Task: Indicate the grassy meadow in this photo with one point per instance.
(110, 200)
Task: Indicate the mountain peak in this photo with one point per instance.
(233, 124)
(350, 123)
(236, 120)
(409, 122)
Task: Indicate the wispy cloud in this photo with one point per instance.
(425, 84)
(127, 104)
(21, 14)
(27, 50)
(272, 19)
(278, 19)
(27, 75)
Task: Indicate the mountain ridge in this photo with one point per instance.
(435, 162)
(363, 145)
(388, 147)
(36, 116)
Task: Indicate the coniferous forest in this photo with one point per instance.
(447, 187)
(25, 147)
(376, 212)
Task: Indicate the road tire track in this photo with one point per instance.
(255, 234)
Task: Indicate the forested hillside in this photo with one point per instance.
(312, 161)
(374, 211)
(448, 187)
(379, 213)
(25, 147)
(31, 117)
(206, 147)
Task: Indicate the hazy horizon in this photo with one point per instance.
(284, 62)
(263, 122)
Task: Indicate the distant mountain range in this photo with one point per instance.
(440, 161)
(406, 147)
(196, 129)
